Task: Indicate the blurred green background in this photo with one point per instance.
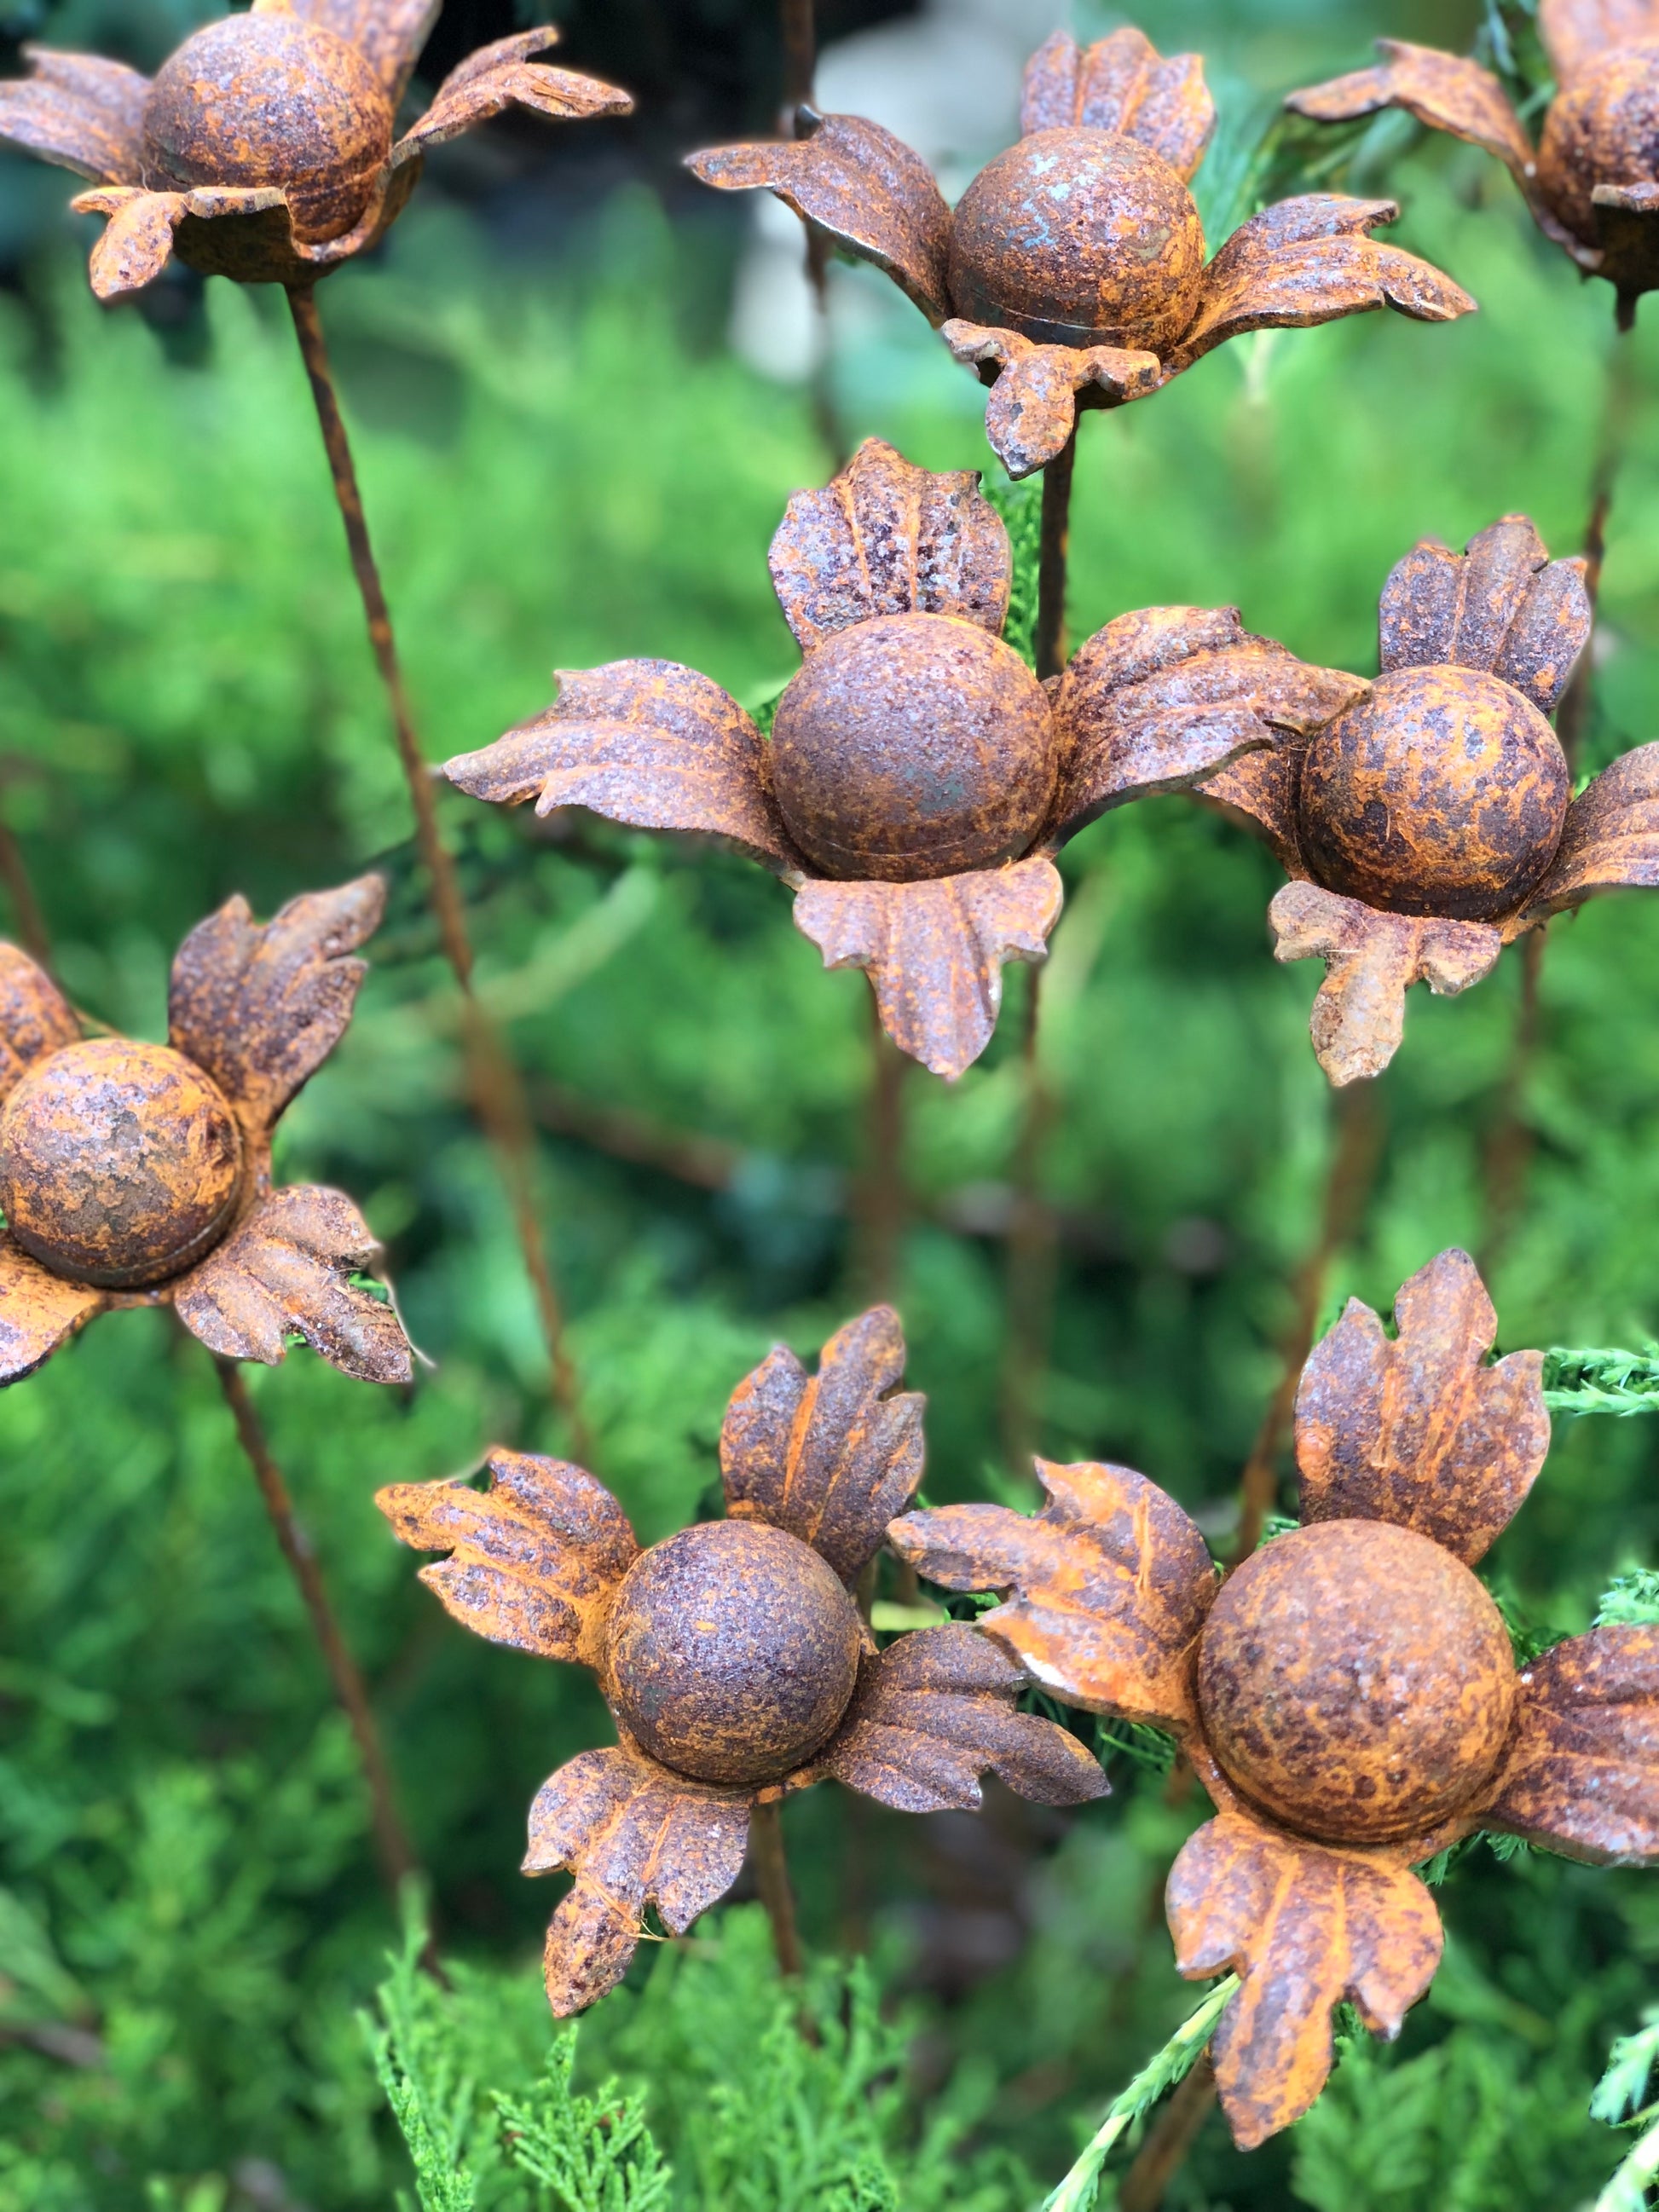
(565, 463)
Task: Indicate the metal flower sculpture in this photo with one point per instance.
(1071, 272)
(1348, 1696)
(918, 777)
(1592, 181)
(263, 148)
(1433, 820)
(138, 1174)
(732, 1656)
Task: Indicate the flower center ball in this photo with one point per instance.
(1442, 791)
(270, 99)
(1602, 129)
(733, 1652)
(912, 746)
(120, 1163)
(1078, 238)
(1356, 1682)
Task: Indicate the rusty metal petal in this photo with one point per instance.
(1312, 260)
(245, 233)
(1611, 837)
(643, 742)
(1160, 698)
(1502, 605)
(1258, 789)
(632, 1834)
(389, 33)
(502, 76)
(1447, 92)
(1107, 1588)
(535, 1560)
(862, 187)
(1032, 410)
(35, 1018)
(261, 1007)
(1576, 30)
(1305, 1926)
(936, 1710)
(288, 1270)
(883, 538)
(934, 950)
(1371, 960)
(832, 1457)
(1121, 83)
(1581, 1777)
(1418, 1429)
(79, 110)
(38, 1311)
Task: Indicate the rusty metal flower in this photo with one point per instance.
(918, 777)
(137, 1175)
(1348, 1696)
(1592, 181)
(732, 1656)
(1432, 821)
(265, 148)
(1071, 272)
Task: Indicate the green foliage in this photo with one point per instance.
(1020, 505)
(1629, 1600)
(1597, 1381)
(1621, 2099)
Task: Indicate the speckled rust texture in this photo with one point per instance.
(119, 1164)
(1602, 127)
(912, 746)
(1443, 792)
(1356, 1682)
(1078, 237)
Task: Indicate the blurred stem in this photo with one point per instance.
(798, 28)
(1032, 1250)
(772, 1881)
(1050, 641)
(1168, 2141)
(392, 1846)
(800, 55)
(881, 1202)
(26, 908)
(1357, 1146)
(494, 1084)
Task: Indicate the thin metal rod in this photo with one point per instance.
(800, 54)
(1051, 560)
(1033, 1250)
(881, 1201)
(772, 1881)
(391, 1845)
(496, 1088)
(1172, 2135)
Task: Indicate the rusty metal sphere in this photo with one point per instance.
(732, 1652)
(1356, 1682)
(270, 99)
(120, 1164)
(1442, 792)
(912, 746)
(1078, 237)
(1603, 129)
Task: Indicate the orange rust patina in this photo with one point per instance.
(1592, 181)
(265, 148)
(140, 1174)
(1071, 272)
(918, 779)
(731, 1655)
(1348, 1697)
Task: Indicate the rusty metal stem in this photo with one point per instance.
(796, 20)
(1051, 560)
(391, 1846)
(772, 1881)
(1032, 1251)
(882, 1199)
(1357, 1145)
(496, 1088)
(1167, 2143)
(26, 908)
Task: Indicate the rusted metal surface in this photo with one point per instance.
(263, 149)
(140, 1174)
(731, 1655)
(1348, 1696)
(1072, 268)
(1590, 182)
(918, 779)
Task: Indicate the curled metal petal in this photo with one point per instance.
(1305, 1926)
(35, 1018)
(1258, 789)
(79, 112)
(831, 1457)
(1581, 1777)
(1032, 410)
(1574, 32)
(934, 950)
(1107, 1589)
(1610, 839)
(861, 186)
(632, 1834)
(883, 538)
(1121, 83)
(1502, 606)
(1371, 960)
(933, 1712)
(245, 233)
(535, 1560)
(1418, 1429)
(388, 33)
(39, 1312)
(503, 75)
(1446, 92)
